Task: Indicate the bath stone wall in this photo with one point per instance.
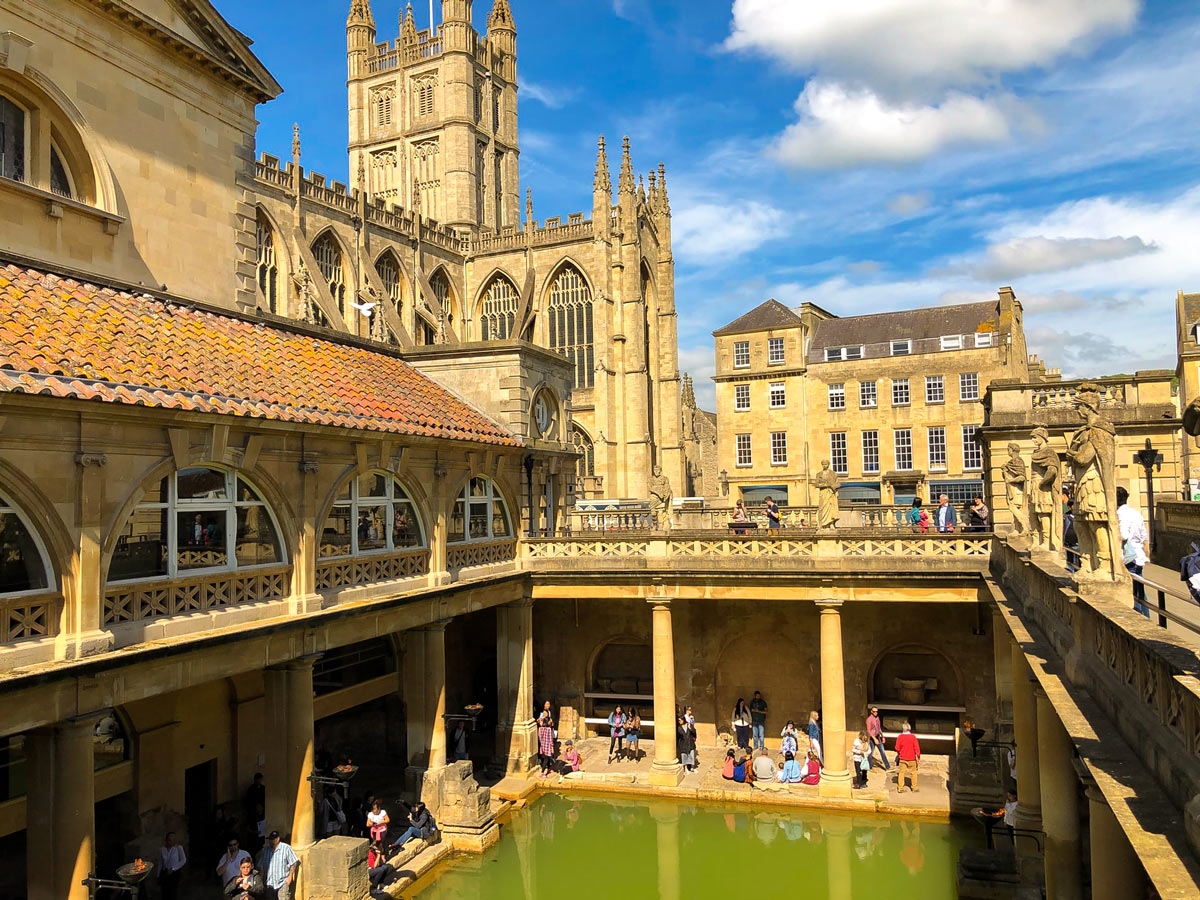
(729, 648)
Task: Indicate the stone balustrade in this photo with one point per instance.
(138, 600)
(353, 571)
(28, 615)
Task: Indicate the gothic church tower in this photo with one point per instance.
(433, 115)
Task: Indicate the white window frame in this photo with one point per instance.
(898, 445)
(936, 442)
(901, 348)
(837, 396)
(952, 342)
(230, 505)
(839, 455)
(935, 389)
(972, 451)
(777, 391)
(983, 339)
(491, 497)
(741, 348)
(741, 397)
(773, 358)
(7, 506)
(897, 384)
(863, 392)
(396, 493)
(739, 446)
(870, 442)
(834, 354)
(965, 379)
(779, 450)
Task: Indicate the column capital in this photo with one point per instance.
(523, 603)
(434, 627)
(1094, 794)
(829, 606)
(660, 602)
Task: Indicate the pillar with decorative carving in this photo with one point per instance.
(60, 825)
(515, 729)
(665, 768)
(1029, 792)
(835, 776)
(1060, 804)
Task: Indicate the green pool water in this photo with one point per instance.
(582, 847)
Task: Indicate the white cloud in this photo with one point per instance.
(909, 204)
(902, 45)
(551, 97)
(842, 128)
(1029, 255)
(707, 233)
(864, 267)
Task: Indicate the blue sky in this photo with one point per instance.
(865, 155)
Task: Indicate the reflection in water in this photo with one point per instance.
(575, 846)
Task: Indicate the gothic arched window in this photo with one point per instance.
(440, 282)
(498, 310)
(268, 264)
(329, 259)
(570, 318)
(581, 442)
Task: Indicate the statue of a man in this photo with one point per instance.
(1015, 479)
(1092, 452)
(1045, 503)
(827, 482)
(661, 498)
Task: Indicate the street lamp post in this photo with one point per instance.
(1151, 461)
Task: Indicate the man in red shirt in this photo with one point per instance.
(908, 756)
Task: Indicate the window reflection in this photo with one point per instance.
(373, 513)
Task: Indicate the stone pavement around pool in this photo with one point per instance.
(626, 776)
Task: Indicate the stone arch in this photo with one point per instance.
(496, 306)
(620, 663)
(349, 276)
(498, 489)
(569, 313)
(582, 441)
(283, 514)
(759, 660)
(417, 496)
(915, 660)
(38, 510)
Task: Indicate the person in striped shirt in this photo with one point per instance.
(278, 863)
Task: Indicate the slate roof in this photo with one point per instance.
(771, 314)
(928, 323)
(66, 338)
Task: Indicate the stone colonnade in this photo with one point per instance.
(835, 774)
(61, 826)
(1049, 777)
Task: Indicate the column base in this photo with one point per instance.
(838, 785)
(516, 749)
(471, 838)
(666, 774)
(307, 603)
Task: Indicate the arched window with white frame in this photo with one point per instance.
(14, 139)
(479, 513)
(373, 513)
(498, 310)
(24, 565)
(201, 518)
(569, 314)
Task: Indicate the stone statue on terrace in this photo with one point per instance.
(1092, 452)
(1045, 487)
(827, 482)
(1016, 477)
(661, 499)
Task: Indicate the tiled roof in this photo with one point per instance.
(764, 317)
(70, 339)
(912, 324)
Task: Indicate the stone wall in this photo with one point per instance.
(1176, 525)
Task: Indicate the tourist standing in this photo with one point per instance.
(789, 738)
(685, 739)
(875, 733)
(908, 757)
(772, 511)
(946, 517)
(545, 736)
(256, 812)
(458, 740)
(246, 883)
(741, 522)
(633, 732)
(616, 730)
(1010, 815)
(1133, 546)
(741, 723)
(814, 735)
(917, 517)
(278, 864)
(978, 516)
(172, 859)
(230, 864)
(861, 762)
(758, 719)
(545, 713)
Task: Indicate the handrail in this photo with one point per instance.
(1162, 612)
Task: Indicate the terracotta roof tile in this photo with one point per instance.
(60, 337)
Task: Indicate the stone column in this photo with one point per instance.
(835, 776)
(1117, 873)
(435, 692)
(838, 861)
(515, 730)
(60, 808)
(666, 820)
(299, 749)
(1029, 792)
(1001, 640)
(1060, 807)
(666, 768)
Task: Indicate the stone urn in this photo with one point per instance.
(913, 690)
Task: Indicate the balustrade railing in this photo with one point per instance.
(352, 571)
(384, 62)
(272, 174)
(328, 196)
(31, 615)
(135, 601)
(1061, 395)
(480, 553)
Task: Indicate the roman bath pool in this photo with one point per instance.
(563, 846)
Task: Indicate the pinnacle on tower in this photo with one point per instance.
(296, 143)
(501, 17)
(360, 14)
(602, 181)
(408, 27)
(664, 200)
(641, 190)
(528, 204)
(625, 183)
(652, 193)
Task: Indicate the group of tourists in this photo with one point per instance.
(547, 742)
(944, 519)
(625, 732)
